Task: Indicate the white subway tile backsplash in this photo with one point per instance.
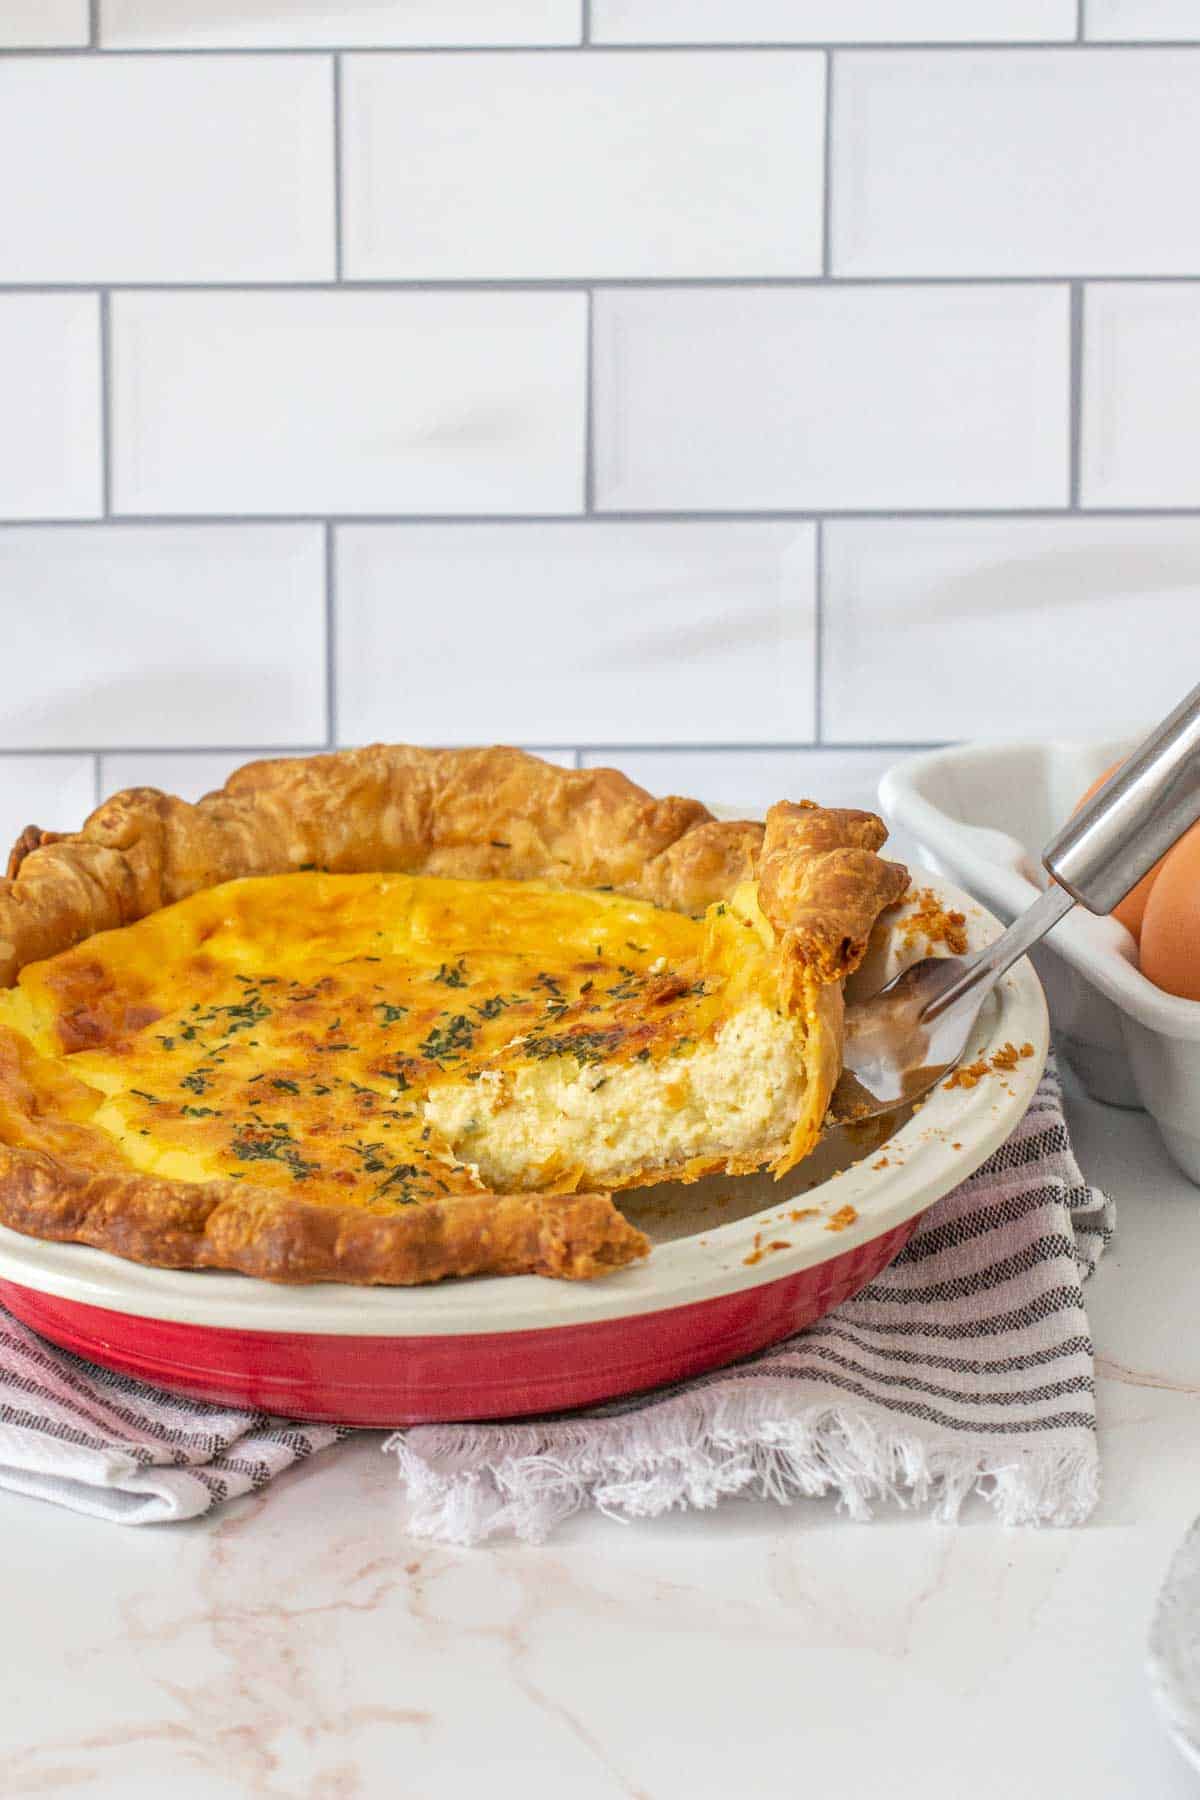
(43, 24)
(853, 397)
(166, 169)
(748, 781)
(163, 635)
(330, 267)
(50, 464)
(1141, 395)
(1146, 20)
(1007, 628)
(193, 773)
(584, 633)
(1020, 162)
(833, 21)
(189, 773)
(349, 402)
(197, 24)
(752, 780)
(566, 759)
(55, 792)
(612, 164)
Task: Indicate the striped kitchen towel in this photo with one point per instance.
(119, 1449)
(965, 1366)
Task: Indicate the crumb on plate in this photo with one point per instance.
(935, 922)
(970, 1074)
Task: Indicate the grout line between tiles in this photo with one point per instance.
(586, 24)
(331, 720)
(97, 778)
(338, 202)
(807, 747)
(184, 750)
(589, 411)
(1081, 22)
(1075, 393)
(970, 46)
(950, 514)
(106, 416)
(93, 24)
(827, 191)
(575, 284)
(818, 629)
(606, 749)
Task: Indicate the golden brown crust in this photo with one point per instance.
(32, 838)
(476, 814)
(824, 1009)
(822, 886)
(464, 813)
(225, 1225)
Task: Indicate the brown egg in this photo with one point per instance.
(1132, 909)
(1170, 954)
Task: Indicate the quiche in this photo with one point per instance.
(395, 1014)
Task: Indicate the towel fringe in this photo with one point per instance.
(468, 1483)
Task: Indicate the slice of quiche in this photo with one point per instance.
(394, 1014)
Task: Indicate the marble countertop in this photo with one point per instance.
(301, 1645)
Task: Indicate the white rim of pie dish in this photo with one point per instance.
(946, 1140)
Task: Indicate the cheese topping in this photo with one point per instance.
(383, 1041)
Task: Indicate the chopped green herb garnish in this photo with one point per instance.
(400, 1178)
(388, 1012)
(494, 1005)
(258, 1143)
(243, 1017)
(628, 988)
(450, 1041)
(584, 1046)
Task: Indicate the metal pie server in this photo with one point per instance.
(903, 1039)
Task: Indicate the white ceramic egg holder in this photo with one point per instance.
(978, 812)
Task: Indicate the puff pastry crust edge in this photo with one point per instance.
(475, 814)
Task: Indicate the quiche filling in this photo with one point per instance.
(383, 1041)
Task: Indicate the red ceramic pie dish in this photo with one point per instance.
(736, 1265)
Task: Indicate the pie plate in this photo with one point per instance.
(737, 1264)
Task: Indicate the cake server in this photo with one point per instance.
(912, 1032)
